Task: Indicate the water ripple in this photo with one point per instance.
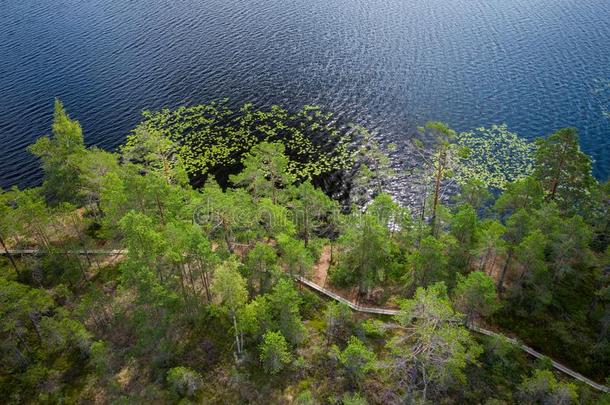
(387, 64)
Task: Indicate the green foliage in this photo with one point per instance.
(549, 263)
(257, 317)
(275, 219)
(438, 346)
(229, 286)
(338, 321)
(128, 190)
(354, 399)
(262, 265)
(312, 211)
(440, 160)
(357, 359)
(464, 228)
(372, 170)
(543, 388)
(184, 381)
(274, 352)
(563, 169)
(305, 398)
(534, 277)
(474, 192)
(428, 305)
(285, 302)
(149, 148)
(428, 264)
(475, 295)
(226, 216)
(504, 360)
(490, 243)
(390, 214)
(523, 194)
(31, 216)
(201, 274)
(598, 216)
(143, 271)
(265, 171)
(59, 155)
(365, 251)
(41, 346)
(297, 258)
(100, 358)
(192, 256)
(373, 328)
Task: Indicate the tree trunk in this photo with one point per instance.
(189, 271)
(437, 191)
(555, 181)
(42, 236)
(98, 208)
(83, 245)
(166, 171)
(306, 226)
(10, 257)
(363, 269)
(503, 274)
(178, 268)
(238, 345)
(227, 239)
(423, 205)
(425, 378)
(206, 282)
(160, 208)
(484, 259)
(470, 317)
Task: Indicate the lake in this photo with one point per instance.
(536, 65)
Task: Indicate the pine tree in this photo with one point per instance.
(475, 295)
(563, 169)
(60, 155)
(274, 352)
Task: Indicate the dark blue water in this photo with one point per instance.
(536, 65)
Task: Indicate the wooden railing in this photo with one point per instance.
(368, 310)
(104, 252)
(474, 328)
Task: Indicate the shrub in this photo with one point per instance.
(274, 352)
(373, 328)
(184, 381)
(354, 399)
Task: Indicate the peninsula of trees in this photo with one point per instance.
(167, 272)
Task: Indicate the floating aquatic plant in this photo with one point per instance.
(213, 137)
(495, 156)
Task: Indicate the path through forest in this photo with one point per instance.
(475, 328)
(319, 278)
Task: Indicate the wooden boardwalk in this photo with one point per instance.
(97, 252)
(360, 308)
(474, 328)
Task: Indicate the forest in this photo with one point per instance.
(168, 271)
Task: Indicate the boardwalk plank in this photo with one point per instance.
(475, 328)
(369, 310)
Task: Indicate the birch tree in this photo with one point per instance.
(229, 288)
